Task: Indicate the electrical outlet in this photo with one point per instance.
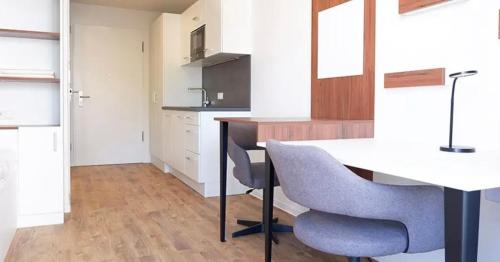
(220, 96)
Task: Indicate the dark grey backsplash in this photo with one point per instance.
(231, 78)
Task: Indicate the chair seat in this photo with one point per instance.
(350, 236)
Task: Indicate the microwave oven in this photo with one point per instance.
(198, 44)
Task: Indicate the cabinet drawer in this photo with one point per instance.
(191, 138)
(191, 118)
(191, 164)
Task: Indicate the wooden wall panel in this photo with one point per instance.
(427, 77)
(313, 130)
(344, 98)
(406, 6)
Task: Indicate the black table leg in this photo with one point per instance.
(223, 178)
(268, 206)
(461, 225)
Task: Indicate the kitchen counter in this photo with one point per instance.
(206, 109)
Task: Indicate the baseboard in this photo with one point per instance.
(197, 187)
(286, 206)
(157, 162)
(206, 189)
(24, 221)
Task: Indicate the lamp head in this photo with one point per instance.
(464, 74)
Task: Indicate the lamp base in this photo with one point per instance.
(458, 149)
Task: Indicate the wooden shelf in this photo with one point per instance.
(427, 77)
(29, 34)
(27, 79)
(406, 6)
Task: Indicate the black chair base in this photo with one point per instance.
(256, 227)
(358, 259)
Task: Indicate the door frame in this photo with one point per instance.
(65, 95)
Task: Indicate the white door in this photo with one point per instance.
(109, 112)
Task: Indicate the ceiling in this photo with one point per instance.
(167, 6)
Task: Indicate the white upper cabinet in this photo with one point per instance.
(228, 29)
(213, 27)
(192, 19)
(195, 15)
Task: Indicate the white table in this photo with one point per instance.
(463, 176)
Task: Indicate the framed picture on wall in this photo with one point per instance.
(341, 40)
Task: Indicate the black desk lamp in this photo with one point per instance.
(450, 147)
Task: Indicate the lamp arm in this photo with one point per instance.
(452, 109)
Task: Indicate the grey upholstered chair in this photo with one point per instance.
(354, 217)
(242, 138)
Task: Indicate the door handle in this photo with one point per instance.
(81, 97)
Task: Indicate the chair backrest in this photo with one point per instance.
(311, 177)
(493, 195)
(242, 169)
(244, 135)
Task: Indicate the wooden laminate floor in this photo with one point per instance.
(136, 213)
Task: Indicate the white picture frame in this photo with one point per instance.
(341, 40)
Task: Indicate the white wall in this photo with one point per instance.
(83, 14)
(458, 36)
(281, 59)
(29, 103)
(281, 67)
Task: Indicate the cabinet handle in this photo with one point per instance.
(196, 19)
(188, 158)
(188, 131)
(54, 141)
(188, 117)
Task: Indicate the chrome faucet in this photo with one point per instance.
(204, 100)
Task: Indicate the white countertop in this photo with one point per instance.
(467, 172)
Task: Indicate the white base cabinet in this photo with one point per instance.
(41, 182)
(8, 189)
(168, 80)
(191, 150)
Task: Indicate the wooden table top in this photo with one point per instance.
(8, 127)
(290, 120)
